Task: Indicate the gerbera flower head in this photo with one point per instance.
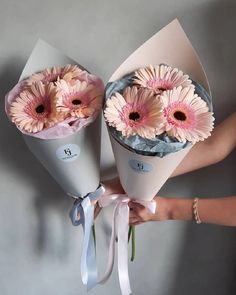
(79, 100)
(136, 112)
(32, 109)
(187, 115)
(161, 78)
(54, 74)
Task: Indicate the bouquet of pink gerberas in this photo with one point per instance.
(155, 113)
(56, 107)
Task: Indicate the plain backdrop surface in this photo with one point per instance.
(39, 248)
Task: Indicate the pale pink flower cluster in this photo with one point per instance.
(161, 101)
(55, 95)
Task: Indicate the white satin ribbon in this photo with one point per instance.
(120, 228)
(83, 213)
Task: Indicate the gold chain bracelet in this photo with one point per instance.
(195, 211)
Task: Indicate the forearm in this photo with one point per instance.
(220, 211)
(201, 155)
(217, 147)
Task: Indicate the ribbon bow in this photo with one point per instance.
(82, 212)
(120, 227)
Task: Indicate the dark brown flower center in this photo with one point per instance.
(134, 116)
(76, 101)
(50, 78)
(40, 109)
(180, 116)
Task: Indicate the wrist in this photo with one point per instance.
(180, 209)
(173, 209)
(163, 209)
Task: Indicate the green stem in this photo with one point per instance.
(130, 231)
(94, 233)
(133, 242)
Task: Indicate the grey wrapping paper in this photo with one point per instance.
(73, 161)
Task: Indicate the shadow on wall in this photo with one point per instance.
(206, 264)
(15, 155)
(219, 44)
(219, 25)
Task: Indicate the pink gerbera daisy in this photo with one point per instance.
(137, 111)
(187, 115)
(161, 78)
(54, 74)
(32, 110)
(80, 100)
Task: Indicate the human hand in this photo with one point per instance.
(139, 214)
(112, 186)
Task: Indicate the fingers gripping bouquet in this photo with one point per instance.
(155, 113)
(56, 107)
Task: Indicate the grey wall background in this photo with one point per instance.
(39, 249)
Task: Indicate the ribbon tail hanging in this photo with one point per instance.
(88, 257)
(123, 228)
(111, 253)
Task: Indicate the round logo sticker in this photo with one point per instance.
(140, 166)
(68, 152)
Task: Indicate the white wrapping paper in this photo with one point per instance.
(143, 176)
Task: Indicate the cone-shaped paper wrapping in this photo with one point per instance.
(169, 46)
(74, 161)
(143, 176)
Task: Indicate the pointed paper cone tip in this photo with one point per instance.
(44, 56)
(171, 46)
